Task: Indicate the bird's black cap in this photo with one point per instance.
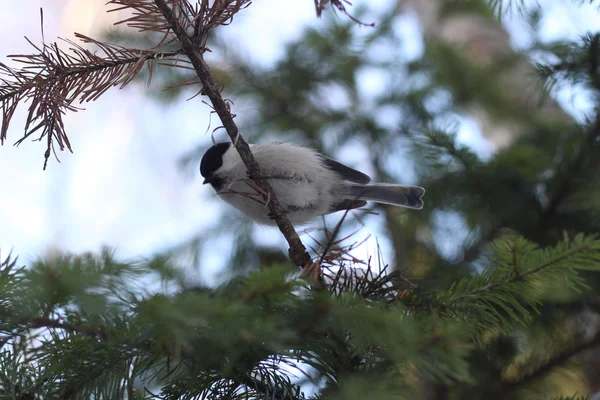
(212, 160)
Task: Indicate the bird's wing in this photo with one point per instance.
(347, 173)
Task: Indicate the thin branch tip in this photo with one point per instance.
(53, 80)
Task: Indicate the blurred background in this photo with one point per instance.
(125, 185)
(490, 131)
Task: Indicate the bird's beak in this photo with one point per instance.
(210, 179)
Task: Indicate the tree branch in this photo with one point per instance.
(53, 79)
(265, 390)
(572, 170)
(98, 333)
(555, 362)
(297, 251)
(520, 277)
(45, 322)
(340, 6)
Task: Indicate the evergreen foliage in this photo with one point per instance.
(511, 312)
(84, 327)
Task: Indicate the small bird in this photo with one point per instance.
(306, 183)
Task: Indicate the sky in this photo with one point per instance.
(122, 186)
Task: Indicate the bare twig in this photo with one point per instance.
(297, 251)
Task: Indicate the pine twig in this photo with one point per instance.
(297, 251)
(45, 322)
(520, 277)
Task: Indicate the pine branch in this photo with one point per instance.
(340, 5)
(504, 294)
(53, 79)
(297, 251)
(240, 339)
(572, 170)
(45, 322)
(521, 277)
(199, 18)
(145, 16)
(555, 362)
(577, 63)
(266, 390)
(340, 272)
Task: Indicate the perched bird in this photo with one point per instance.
(306, 183)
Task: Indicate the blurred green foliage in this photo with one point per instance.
(87, 326)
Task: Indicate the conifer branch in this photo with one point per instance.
(266, 390)
(297, 251)
(520, 277)
(572, 170)
(554, 362)
(54, 79)
(45, 322)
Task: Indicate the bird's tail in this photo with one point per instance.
(396, 195)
